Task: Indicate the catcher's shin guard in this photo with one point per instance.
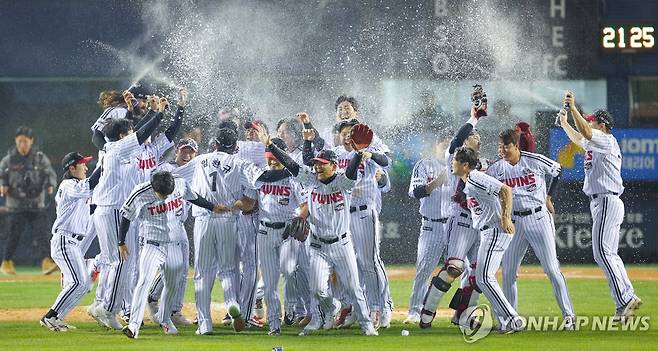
(464, 298)
(435, 292)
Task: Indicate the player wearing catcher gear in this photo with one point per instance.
(527, 174)
(279, 229)
(463, 238)
(122, 148)
(158, 204)
(603, 185)
(69, 230)
(330, 243)
(490, 204)
(428, 177)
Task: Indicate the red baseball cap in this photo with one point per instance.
(74, 158)
(590, 118)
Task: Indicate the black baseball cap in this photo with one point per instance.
(226, 138)
(601, 116)
(74, 158)
(326, 156)
(140, 91)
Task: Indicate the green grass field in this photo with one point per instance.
(25, 297)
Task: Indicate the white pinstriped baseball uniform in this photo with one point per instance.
(603, 184)
(66, 246)
(109, 195)
(331, 246)
(160, 229)
(278, 203)
(112, 112)
(364, 227)
(143, 165)
(222, 179)
(431, 241)
(179, 232)
(534, 224)
(482, 198)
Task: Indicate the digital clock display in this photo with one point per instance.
(628, 38)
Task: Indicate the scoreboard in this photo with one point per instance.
(628, 38)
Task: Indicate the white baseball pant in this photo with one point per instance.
(156, 289)
(215, 245)
(607, 215)
(431, 245)
(247, 259)
(538, 231)
(65, 250)
(156, 256)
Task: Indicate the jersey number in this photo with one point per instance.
(213, 186)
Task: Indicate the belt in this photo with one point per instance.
(274, 225)
(330, 241)
(596, 196)
(77, 237)
(527, 212)
(360, 208)
(439, 220)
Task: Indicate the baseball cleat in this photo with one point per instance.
(169, 328)
(125, 318)
(111, 320)
(67, 326)
(375, 318)
(275, 332)
(98, 314)
(315, 324)
(51, 324)
(225, 322)
(289, 318)
(255, 323)
(304, 321)
(238, 321)
(426, 318)
(259, 312)
(128, 332)
(178, 319)
(412, 319)
(370, 331)
(342, 315)
(198, 332)
(386, 319)
(631, 306)
(569, 323)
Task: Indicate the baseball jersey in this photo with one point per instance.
(253, 152)
(365, 190)
(527, 178)
(222, 179)
(451, 183)
(602, 164)
(159, 219)
(328, 204)
(182, 172)
(72, 199)
(278, 201)
(147, 161)
(116, 163)
(482, 198)
(425, 171)
(116, 112)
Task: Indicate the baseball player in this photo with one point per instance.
(223, 177)
(331, 247)
(603, 185)
(122, 148)
(186, 150)
(490, 204)
(364, 219)
(427, 179)
(463, 238)
(278, 203)
(527, 174)
(159, 204)
(69, 230)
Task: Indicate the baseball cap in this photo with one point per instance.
(226, 138)
(279, 143)
(601, 116)
(74, 158)
(326, 156)
(139, 91)
(187, 142)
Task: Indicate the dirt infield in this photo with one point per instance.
(218, 310)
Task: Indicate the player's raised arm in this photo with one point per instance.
(505, 196)
(581, 124)
(317, 140)
(280, 155)
(573, 135)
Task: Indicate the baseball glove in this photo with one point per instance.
(297, 228)
(361, 136)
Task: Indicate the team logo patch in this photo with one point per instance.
(339, 207)
(284, 201)
(478, 211)
(532, 187)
